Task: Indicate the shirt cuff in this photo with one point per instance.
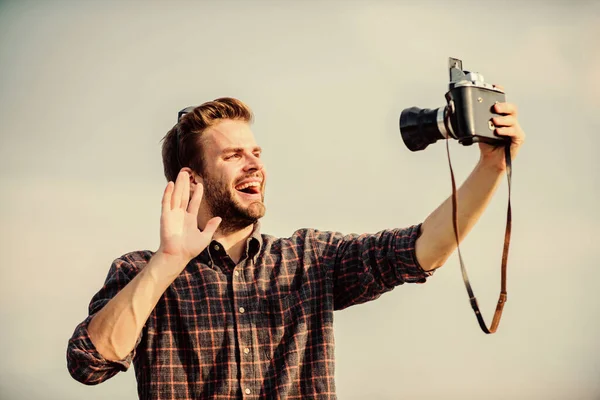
(405, 245)
(86, 349)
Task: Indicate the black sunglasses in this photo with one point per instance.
(184, 111)
(179, 115)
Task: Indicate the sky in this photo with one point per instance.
(89, 88)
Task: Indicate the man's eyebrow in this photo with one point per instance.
(240, 149)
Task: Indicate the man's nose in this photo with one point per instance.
(253, 163)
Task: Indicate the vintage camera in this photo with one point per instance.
(467, 117)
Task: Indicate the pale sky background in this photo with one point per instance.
(88, 89)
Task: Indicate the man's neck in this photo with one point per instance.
(234, 242)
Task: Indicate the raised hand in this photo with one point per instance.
(508, 125)
(179, 233)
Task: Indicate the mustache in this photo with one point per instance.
(250, 176)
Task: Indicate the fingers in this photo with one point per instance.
(166, 200)
(178, 193)
(185, 195)
(506, 120)
(196, 199)
(506, 131)
(211, 226)
(505, 109)
(511, 131)
(508, 125)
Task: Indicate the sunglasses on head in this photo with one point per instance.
(183, 112)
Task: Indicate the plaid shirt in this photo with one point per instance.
(261, 329)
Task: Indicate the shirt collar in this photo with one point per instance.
(253, 246)
(255, 241)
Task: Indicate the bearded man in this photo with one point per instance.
(223, 311)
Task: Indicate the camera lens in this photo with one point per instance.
(419, 127)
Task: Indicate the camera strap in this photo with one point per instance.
(503, 294)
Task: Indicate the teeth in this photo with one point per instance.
(247, 185)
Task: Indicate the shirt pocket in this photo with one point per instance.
(282, 309)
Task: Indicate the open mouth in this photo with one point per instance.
(250, 188)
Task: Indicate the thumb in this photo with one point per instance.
(211, 226)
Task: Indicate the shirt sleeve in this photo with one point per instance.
(84, 362)
(363, 267)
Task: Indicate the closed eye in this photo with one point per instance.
(231, 156)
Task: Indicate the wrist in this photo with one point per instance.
(491, 165)
(166, 266)
(172, 257)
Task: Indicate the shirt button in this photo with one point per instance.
(236, 273)
(242, 310)
(247, 391)
(246, 350)
(216, 247)
(210, 263)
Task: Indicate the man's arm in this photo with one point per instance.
(116, 327)
(110, 335)
(363, 267)
(84, 362)
(437, 240)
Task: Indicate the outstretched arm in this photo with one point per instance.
(437, 240)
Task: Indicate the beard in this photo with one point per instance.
(221, 200)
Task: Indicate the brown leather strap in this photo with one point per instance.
(503, 294)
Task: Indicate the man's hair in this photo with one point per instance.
(182, 145)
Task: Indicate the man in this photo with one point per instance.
(221, 310)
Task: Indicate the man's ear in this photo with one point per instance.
(194, 177)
